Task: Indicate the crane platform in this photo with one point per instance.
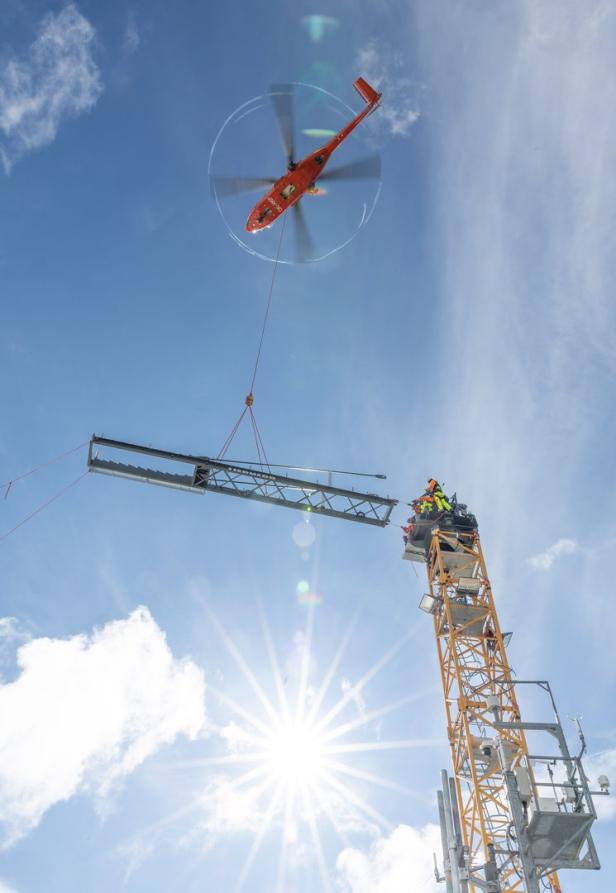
(458, 521)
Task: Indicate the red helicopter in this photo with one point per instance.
(302, 175)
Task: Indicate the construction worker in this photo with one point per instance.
(407, 530)
(435, 490)
(490, 639)
(417, 507)
(426, 504)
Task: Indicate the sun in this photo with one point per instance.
(295, 754)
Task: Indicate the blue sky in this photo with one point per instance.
(466, 332)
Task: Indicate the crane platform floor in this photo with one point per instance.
(414, 553)
(549, 831)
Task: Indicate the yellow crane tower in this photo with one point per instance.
(518, 807)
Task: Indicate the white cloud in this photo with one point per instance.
(228, 809)
(399, 109)
(88, 710)
(8, 627)
(546, 559)
(4, 888)
(58, 79)
(12, 634)
(395, 864)
(134, 854)
(132, 38)
(235, 737)
(352, 693)
(522, 198)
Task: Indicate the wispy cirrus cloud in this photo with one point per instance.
(226, 809)
(131, 40)
(86, 711)
(11, 631)
(544, 560)
(524, 193)
(12, 634)
(56, 79)
(395, 864)
(399, 109)
(350, 691)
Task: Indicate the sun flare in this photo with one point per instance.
(284, 755)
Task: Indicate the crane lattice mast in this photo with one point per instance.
(511, 816)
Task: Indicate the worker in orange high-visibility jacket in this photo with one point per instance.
(407, 530)
(426, 504)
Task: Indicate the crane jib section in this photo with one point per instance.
(199, 474)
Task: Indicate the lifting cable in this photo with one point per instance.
(44, 505)
(8, 484)
(250, 396)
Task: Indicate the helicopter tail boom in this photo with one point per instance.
(367, 93)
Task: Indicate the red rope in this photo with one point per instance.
(43, 506)
(254, 432)
(260, 440)
(9, 484)
(231, 435)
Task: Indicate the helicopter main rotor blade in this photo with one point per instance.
(364, 169)
(283, 99)
(304, 246)
(224, 187)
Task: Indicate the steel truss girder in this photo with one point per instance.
(246, 482)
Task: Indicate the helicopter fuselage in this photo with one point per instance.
(301, 177)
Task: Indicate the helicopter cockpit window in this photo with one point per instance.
(288, 191)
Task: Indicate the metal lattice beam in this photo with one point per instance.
(235, 480)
